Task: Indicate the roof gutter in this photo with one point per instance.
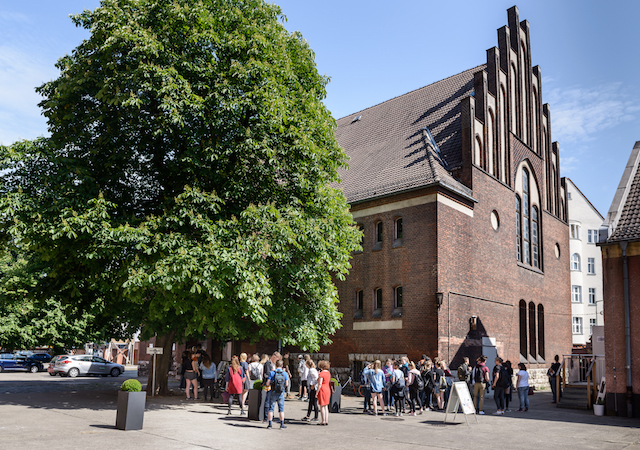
(417, 188)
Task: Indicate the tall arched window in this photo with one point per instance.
(533, 335)
(523, 328)
(518, 229)
(524, 135)
(541, 331)
(492, 165)
(534, 237)
(526, 237)
(505, 134)
(513, 83)
(478, 151)
(534, 122)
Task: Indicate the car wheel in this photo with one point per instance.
(52, 374)
(73, 372)
(115, 372)
(33, 369)
(1, 369)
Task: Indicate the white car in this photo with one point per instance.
(74, 365)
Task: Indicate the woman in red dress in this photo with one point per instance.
(234, 378)
(324, 391)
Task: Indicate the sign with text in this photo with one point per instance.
(460, 398)
(155, 350)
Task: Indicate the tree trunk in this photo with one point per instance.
(163, 365)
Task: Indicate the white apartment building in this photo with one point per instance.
(586, 264)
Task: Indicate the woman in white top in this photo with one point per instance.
(255, 369)
(312, 381)
(523, 387)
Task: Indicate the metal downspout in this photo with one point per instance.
(627, 325)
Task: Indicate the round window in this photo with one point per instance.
(495, 220)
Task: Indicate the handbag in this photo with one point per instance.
(530, 390)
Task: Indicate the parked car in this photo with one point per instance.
(74, 365)
(42, 357)
(12, 362)
(52, 364)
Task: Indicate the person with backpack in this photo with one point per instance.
(366, 387)
(554, 373)
(255, 369)
(376, 378)
(277, 381)
(387, 369)
(448, 381)
(480, 377)
(499, 384)
(247, 381)
(397, 388)
(464, 371)
(416, 385)
(234, 378)
(268, 367)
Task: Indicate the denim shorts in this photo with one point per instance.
(276, 398)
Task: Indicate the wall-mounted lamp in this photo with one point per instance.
(473, 322)
(439, 298)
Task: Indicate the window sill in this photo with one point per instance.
(357, 314)
(377, 246)
(397, 312)
(377, 314)
(397, 243)
(531, 268)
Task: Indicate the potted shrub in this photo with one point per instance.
(255, 400)
(336, 396)
(598, 407)
(131, 402)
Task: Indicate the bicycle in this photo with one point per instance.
(356, 391)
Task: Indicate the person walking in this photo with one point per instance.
(277, 381)
(499, 385)
(416, 384)
(312, 383)
(269, 366)
(376, 379)
(480, 377)
(247, 380)
(209, 375)
(191, 375)
(554, 374)
(523, 387)
(234, 379)
(324, 391)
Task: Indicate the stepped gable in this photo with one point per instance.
(388, 150)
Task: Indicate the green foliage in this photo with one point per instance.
(186, 182)
(257, 384)
(131, 385)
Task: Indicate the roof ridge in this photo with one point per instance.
(411, 91)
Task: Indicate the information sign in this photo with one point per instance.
(460, 397)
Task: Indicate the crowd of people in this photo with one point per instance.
(397, 386)
(403, 385)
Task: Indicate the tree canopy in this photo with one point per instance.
(188, 183)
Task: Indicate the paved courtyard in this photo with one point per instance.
(38, 411)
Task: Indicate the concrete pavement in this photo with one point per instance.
(80, 413)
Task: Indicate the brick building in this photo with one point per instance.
(620, 242)
(456, 186)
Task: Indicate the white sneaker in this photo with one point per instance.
(481, 413)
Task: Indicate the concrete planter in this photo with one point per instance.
(130, 410)
(254, 402)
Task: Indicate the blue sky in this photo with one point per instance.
(588, 54)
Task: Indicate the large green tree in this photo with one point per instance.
(186, 179)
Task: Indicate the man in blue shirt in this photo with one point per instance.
(277, 382)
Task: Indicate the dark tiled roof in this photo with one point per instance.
(628, 227)
(387, 149)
